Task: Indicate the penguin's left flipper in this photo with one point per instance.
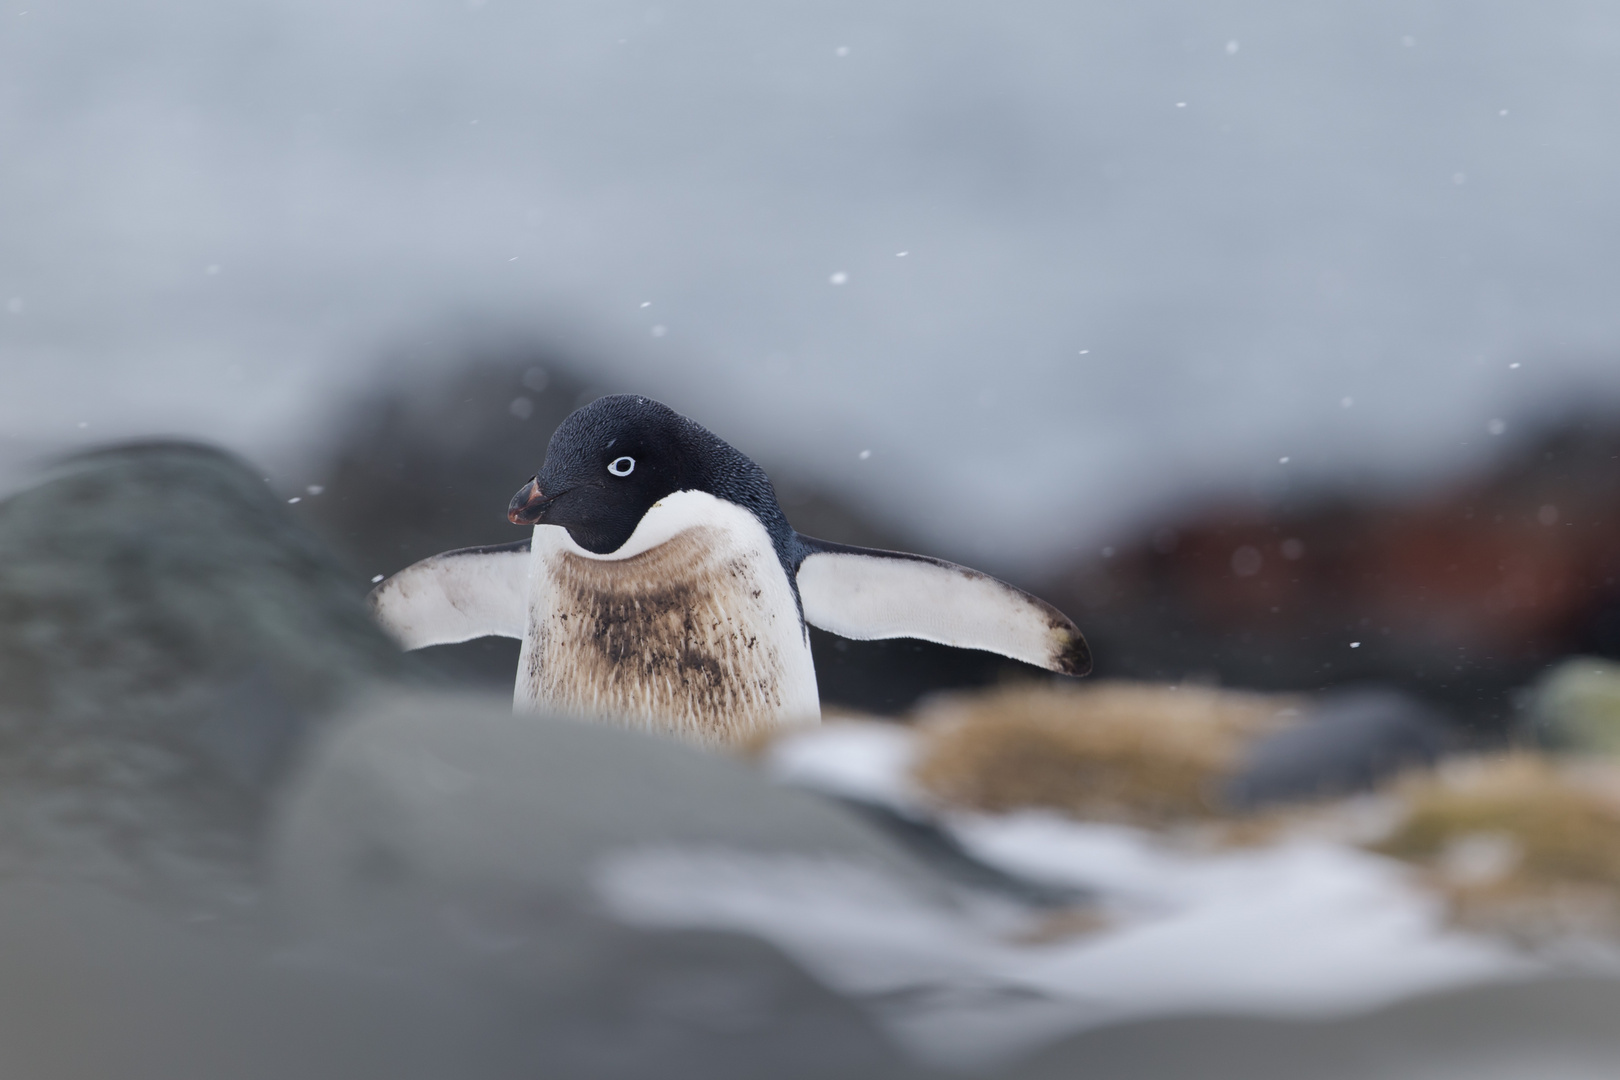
(868, 595)
(457, 596)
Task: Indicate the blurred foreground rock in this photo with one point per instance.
(434, 916)
(175, 654)
(445, 831)
(168, 638)
(1543, 1029)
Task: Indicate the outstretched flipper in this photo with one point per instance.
(460, 595)
(868, 595)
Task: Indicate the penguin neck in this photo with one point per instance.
(680, 512)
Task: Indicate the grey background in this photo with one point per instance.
(227, 220)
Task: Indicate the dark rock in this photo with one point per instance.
(1347, 742)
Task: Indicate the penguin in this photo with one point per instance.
(663, 588)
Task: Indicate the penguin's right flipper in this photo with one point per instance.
(457, 596)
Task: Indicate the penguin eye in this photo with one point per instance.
(623, 466)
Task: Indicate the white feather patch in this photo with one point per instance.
(457, 596)
(689, 629)
(870, 597)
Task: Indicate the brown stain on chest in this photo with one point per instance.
(673, 639)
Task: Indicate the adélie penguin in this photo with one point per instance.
(663, 587)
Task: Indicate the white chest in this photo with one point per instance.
(691, 628)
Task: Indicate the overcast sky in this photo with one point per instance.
(1053, 264)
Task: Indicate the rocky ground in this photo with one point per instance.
(241, 836)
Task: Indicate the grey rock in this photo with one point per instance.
(96, 985)
(454, 792)
(1346, 742)
(169, 636)
(446, 834)
(1565, 1028)
(175, 656)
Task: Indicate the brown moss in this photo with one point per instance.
(1109, 751)
(1064, 924)
(1517, 843)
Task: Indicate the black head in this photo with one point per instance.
(611, 460)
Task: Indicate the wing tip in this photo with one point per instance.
(375, 600)
(1072, 655)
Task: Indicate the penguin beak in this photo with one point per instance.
(529, 504)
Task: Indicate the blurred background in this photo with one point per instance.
(1277, 344)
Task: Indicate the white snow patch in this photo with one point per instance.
(1304, 927)
(853, 760)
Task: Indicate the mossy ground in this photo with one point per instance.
(1518, 843)
(1125, 752)
(1521, 844)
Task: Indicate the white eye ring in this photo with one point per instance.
(623, 466)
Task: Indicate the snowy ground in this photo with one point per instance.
(1306, 927)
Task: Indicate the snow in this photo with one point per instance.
(853, 760)
(1304, 927)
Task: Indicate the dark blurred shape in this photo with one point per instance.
(1560, 1027)
(168, 637)
(1458, 595)
(951, 860)
(430, 463)
(1346, 742)
(888, 677)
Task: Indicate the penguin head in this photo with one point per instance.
(610, 461)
